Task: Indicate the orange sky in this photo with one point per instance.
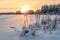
(14, 5)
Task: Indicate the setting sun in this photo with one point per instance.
(24, 9)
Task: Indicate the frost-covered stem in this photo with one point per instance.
(49, 26)
(33, 33)
(16, 30)
(54, 24)
(25, 20)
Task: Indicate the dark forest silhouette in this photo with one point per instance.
(45, 9)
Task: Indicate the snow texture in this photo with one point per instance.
(8, 33)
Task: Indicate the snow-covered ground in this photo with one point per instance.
(7, 33)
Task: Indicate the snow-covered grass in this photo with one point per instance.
(7, 33)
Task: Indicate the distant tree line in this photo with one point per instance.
(51, 9)
(45, 9)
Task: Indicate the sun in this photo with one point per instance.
(24, 9)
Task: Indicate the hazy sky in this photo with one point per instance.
(14, 5)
